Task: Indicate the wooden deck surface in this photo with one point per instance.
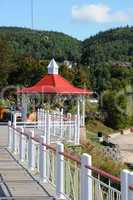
(15, 182)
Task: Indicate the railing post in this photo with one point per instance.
(40, 122)
(78, 129)
(61, 123)
(130, 182)
(12, 130)
(69, 116)
(9, 135)
(126, 181)
(42, 163)
(22, 146)
(59, 171)
(38, 118)
(83, 111)
(31, 152)
(14, 120)
(45, 123)
(75, 129)
(14, 142)
(48, 128)
(124, 184)
(53, 123)
(85, 177)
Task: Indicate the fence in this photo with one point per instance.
(72, 177)
(60, 127)
(113, 152)
(55, 126)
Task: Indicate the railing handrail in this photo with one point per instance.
(73, 158)
(33, 138)
(70, 157)
(26, 122)
(131, 187)
(65, 116)
(103, 173)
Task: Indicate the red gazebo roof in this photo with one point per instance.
(54, 84)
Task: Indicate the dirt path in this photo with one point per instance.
(125, 143)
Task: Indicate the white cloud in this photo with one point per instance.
(99, 13)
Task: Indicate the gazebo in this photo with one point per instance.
(54, 84)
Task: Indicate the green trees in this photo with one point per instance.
(79, 75)
(114, 106)
(42, 44)
(27, 71)
(100, 77)
(6, 62)
(113, 46)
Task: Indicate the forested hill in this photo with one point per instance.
(114, 46)
(42, 44)
(25, 53)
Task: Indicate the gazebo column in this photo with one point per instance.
(81, 130)
(78, 106)
(83, 111)
(24, 107)
(78, 120)
(82, 127)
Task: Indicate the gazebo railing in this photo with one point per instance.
(59, 127)
(56, 127)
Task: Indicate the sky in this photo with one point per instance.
(78, 18)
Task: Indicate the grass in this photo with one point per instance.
(99, 160)
(93, 138)
(96, 126)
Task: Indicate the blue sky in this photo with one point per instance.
(78, 18)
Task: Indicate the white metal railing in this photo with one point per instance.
(56, 126)
(104, 190)
(73, 178)
(59, 127)
(51, 167)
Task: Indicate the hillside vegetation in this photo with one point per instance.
(25, 53)
(41, 44)
(114, 46)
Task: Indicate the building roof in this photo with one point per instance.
(53, 83)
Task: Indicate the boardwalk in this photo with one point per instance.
(16, 183)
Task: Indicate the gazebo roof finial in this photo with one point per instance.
(53, 67)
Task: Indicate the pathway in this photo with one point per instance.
(125, 143)
(15, 182)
